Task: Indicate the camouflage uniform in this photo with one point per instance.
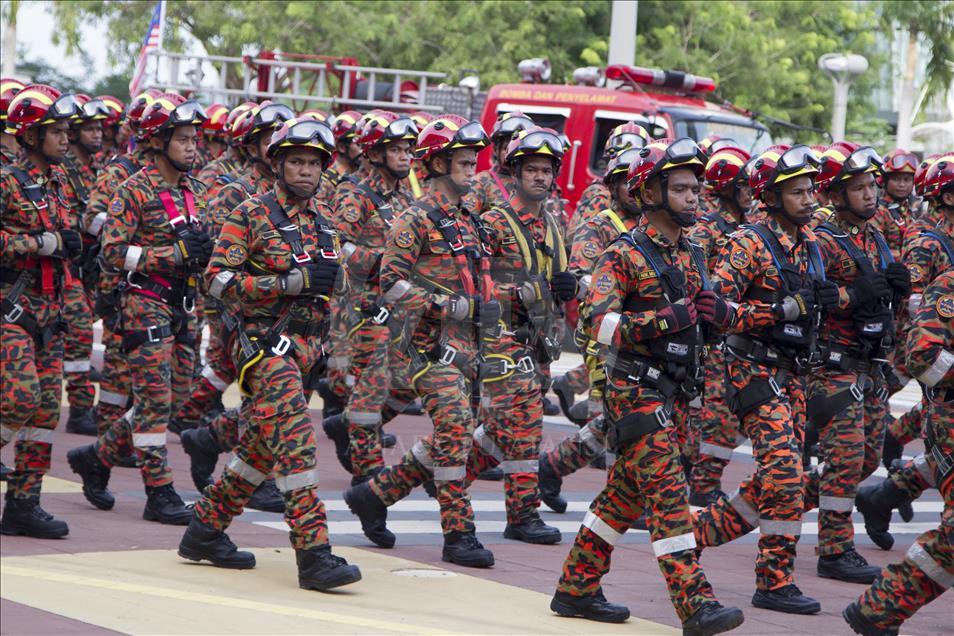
(248, 259)
(220, 172)
(364, 213)
(927, 570)
(647, 475)
(747, 275)
(32, 346)
(419, 272)
(485, 190)
(893, 218)
(717, 426)
(158, 337)
(594, 199)
(7, 157)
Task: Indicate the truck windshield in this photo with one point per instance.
(754, 140)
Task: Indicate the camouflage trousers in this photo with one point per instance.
(850, 446)
(772, 498)
(377, 396)
(279, 438)
(908, 427)
(509, 437)
(161, 376)
(30, 397)
(578, 450)
(927, 570)
(115, 389)
(578, 379)
(216, 376)
(339, 349)
(647, 476)
(717, 429)
(78, 346)
(441, 455)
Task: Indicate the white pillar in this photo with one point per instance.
(622, 43)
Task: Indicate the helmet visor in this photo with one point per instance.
(273, 114)
(64, 107)
(96, 109)
(402, 128)
(626, 140)
(513, 124)
(902, 163)
(188, 112)
(797, 158)
(621, 162)
(719, 144)
(862, 160)
(309, 131)
(684, 150)
(471, 134)
(539, 140)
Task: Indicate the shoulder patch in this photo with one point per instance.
(235, 255)
(604, 284)
(917, 272)
(116, 206)
(945, 306)
(739, 258)
(590, 249)
(351, 214)
(404, 239)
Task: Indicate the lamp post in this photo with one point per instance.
(842, 69)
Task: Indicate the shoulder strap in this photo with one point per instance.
(943, 240)
(615, 220)
(859, 257)
(82, 192)
(33, 191)
(647, 248)
(724, 226)
(447, 226)
(780, 259)
(383, 208)
(288, 230)
(126, 163)
(533, 259)
(225, 179)
(699, 262)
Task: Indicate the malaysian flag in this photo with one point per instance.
(151, 41)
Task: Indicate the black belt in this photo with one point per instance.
(178, 294)
(644, 371)
(845, 359)
(758, 352)
(302, 328)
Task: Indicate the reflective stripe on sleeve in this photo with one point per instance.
(133, 254)
(287, 483)
(929, 566)
(209, 374)
(608, 328)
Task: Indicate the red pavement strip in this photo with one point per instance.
(634, 579)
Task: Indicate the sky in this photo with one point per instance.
(35, 24)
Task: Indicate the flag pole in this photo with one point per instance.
(162, 28)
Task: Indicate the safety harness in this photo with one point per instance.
(945, 243)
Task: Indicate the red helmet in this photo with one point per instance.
(508, 124)
(39, 105)
(386, 127)
(628, 135)
(346, 125)
(116, 109)
(448, 133)
(421, 118)
(139, 104)
(939, 177)
(819, 149)
(618, 164)
(726, 166)
(313, 113)
(844, 160)
(922, 171)
(779, 164)
(266, 116)
(536, 142)
(713, 142)
(663, 155)
(9, 87)
(216, 126)
(303, 133)
(899, 160)
(233, 129)
(168, 111)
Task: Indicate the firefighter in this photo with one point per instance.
(365, 212)
(154, 235)
(927, 570)
(847, 395)
(531, 284)
(641, 305)
(115, 131)
(771, 275)
(727, 179)
(435, 271)
(214, 135)
(223, 169)
(9, 148)
(596, 235)
(275, 264)
(896, 203)
(496, 182)
(36, 244)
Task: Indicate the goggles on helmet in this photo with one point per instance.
(188, 112)
(64, 107)
(797, 158)
(310, 130)
(683, 150)
(626, 140)
(537, 140)
(861, 160)
(897, 163)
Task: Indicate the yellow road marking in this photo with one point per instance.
(53, 485)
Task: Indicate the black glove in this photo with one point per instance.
(460, 307)
(796, 306)
(868, 290)
(899, 277)
(489, 314)
(72, 243)
(563, 285)
(828, 294)
(311, 279)
(713, 309)
(195, 247)
(676, 317)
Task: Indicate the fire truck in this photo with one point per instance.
(666, 103)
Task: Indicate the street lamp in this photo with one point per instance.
(842, 70)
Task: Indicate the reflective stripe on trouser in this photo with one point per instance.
(161, 375)
(445, 395)
(773, 494)
(78, 346)
(216, 377)
(30, 394)
(115, 389)
(512, 416)
(646, 477)
(717, 428)
(851, 443)
(279, 438)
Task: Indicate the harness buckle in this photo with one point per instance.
(188, 303)
(281, 347)
(774, 386)
(856, 392)
(329, 254)
(151, 335)
(662, 416)
(382, 316)
(525, 365)
(447, 356)
(303, 257)
(14, 314)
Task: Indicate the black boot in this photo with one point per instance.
(549, 408)
(430, 488)
(203, 543)
(533, 530)
(550, 485)
(25, 517)
(491, 474)
(463, 548)
(892, 450)
(178, 425)
(95, 475)
(388, 440)
(331, 404)
(849, 566)
(599, 461)
(875, 504)
(861, 625)
(788, 599)
(579, 413)
(372, 513)
(81, 422)
(163, 504)
(319, 569)
(267, 498)
(566, 397)
(336, 428)
(414, 408)
(592, 607)
(712, 618)
(203, 451)
(705, 499)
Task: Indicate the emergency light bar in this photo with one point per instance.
(677, 80)
(534, 70)
(589, 76)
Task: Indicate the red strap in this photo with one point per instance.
(503, 189)
(172, 212)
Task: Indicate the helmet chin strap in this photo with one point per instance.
(295, 192)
